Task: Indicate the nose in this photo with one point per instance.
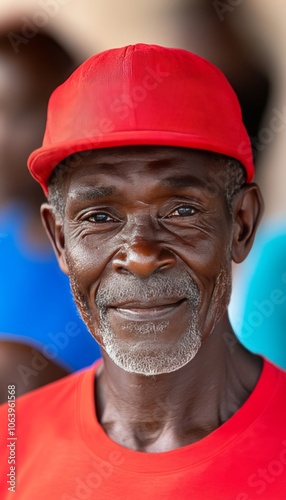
(143, 258)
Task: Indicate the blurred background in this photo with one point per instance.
(46, 39)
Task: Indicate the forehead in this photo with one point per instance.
(151, 162)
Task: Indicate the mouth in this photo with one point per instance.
(151, 311)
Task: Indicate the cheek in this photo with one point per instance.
(216, 297)
(209, 262)
(204, 256)
(86, 260)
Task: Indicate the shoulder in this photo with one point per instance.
(24, 366)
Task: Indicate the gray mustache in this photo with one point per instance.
(118, 288)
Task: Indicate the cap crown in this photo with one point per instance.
(142, 94)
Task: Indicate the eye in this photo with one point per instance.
(183, 211)
(100, 217)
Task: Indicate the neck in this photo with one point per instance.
(167, 411)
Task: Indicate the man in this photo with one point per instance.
(149, 200)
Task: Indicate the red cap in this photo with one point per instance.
(142, 95)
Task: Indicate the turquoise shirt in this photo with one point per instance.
(258, 306)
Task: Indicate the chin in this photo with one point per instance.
(143, 362)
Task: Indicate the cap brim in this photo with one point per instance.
(43, 160)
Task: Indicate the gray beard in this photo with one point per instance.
(150, 357)
(151, 361)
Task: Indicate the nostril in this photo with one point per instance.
(121, 269)
(165, 266)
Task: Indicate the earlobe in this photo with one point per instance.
(54, 231)
(247, 212)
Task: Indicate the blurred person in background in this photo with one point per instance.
(215, 32)
(25, 367)
(258, 308)
(36, 305)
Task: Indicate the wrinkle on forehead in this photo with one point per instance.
(157, 155)
(91, 192)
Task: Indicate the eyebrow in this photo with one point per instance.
(92, 192)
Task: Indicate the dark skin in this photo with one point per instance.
(152, 214)
(26, 368)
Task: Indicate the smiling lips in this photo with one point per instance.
(136, 311)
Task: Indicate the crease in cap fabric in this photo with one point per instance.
(142, 95)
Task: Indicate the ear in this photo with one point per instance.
(54, 230)
(247, 212)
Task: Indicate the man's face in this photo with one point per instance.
(148, 251)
